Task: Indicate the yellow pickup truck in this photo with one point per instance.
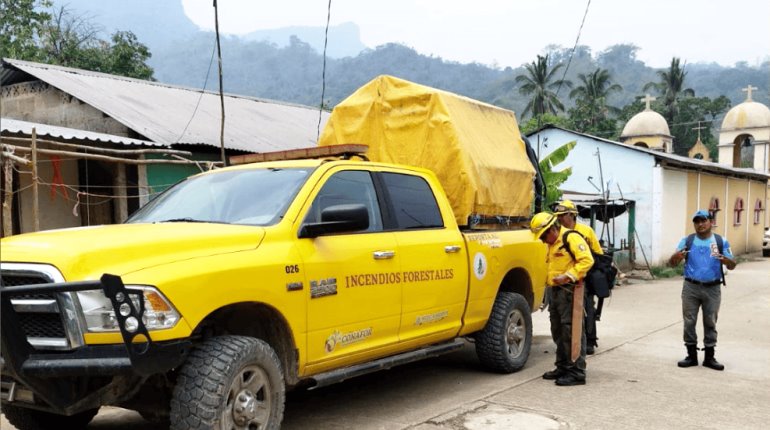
(238, 283)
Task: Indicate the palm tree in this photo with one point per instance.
(539, 83)
(671, 87)
(591, 97)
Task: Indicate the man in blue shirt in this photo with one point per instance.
(702, 279)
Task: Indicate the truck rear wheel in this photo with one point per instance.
(503, 346)
(229, 382)
(31, 419)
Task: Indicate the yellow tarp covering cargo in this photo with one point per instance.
(474, 148)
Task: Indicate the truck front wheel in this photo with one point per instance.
(503, 346)
(31, 419)
(229, 382)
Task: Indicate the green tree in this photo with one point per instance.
(535, 123)
(698, 112)
(68, 40)
(20, 24)
(591, 113)
(539, 83)
(671, 86)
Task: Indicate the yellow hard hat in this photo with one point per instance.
(565, 207)
(541, 222)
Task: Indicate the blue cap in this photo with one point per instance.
(701, 213)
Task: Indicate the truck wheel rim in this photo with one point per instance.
(515, 333)
(248, 400)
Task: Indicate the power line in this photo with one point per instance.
(577, 39)
(203, 91)
(323, 72)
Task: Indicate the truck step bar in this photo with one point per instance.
(339, 375)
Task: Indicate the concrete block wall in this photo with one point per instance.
(39, 102)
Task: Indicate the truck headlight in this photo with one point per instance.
(100, 317)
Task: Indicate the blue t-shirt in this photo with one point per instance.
(701, 264)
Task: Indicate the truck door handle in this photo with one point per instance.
(384, 255)
(451, 249)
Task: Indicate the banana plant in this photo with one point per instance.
(554, 178)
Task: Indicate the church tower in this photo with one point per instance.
(648, 129)
(744, 140)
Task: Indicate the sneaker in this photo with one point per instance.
(553, 374)
(590, 350)
(568, 380)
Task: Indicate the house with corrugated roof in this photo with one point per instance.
(92, 110)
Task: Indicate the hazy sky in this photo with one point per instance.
(513, 32)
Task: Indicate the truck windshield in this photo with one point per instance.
(250, 197)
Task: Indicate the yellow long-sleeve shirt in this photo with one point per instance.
(590, 236)
(560, 262)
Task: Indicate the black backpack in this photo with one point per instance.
(600, 278)
(720, 245)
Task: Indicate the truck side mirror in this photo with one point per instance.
(337, 219)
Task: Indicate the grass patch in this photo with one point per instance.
(661, 272)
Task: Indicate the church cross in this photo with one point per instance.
(699, 128)
(747, 90)
(648, 99)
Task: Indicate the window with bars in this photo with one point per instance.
(738, 211)
(714, 210)
(758, 211)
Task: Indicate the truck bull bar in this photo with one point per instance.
(46, 373)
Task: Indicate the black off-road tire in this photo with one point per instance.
(503, 346)
(31, 419)
(229, 382)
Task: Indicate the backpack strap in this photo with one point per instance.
(720, 246)
(565, 244)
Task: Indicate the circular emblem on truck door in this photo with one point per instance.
(479, 266)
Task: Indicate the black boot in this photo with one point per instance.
(692, 357)
(710, 361)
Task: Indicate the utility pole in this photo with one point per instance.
(221, 94)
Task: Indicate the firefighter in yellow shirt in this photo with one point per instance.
(565, 276)
(567, 215)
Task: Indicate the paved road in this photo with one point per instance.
(633, 380)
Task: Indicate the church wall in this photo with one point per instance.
(762, 156)
(745, 237)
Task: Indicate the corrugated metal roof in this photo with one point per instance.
(24, 128)
(162, 112)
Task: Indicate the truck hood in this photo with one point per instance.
(88, 252)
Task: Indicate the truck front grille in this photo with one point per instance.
(40, 314)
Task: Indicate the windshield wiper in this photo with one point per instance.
(187, 219)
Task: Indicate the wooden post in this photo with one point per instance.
(35, 191)
(8, 202)
(121, 202)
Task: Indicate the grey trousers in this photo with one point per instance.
(560, 313)
(695, 297)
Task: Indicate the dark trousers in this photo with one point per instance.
(695, 297)
(560, 312)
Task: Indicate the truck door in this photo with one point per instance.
(354, 295)
(433, 260)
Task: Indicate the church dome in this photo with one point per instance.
(749, 114)
(646, 123)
